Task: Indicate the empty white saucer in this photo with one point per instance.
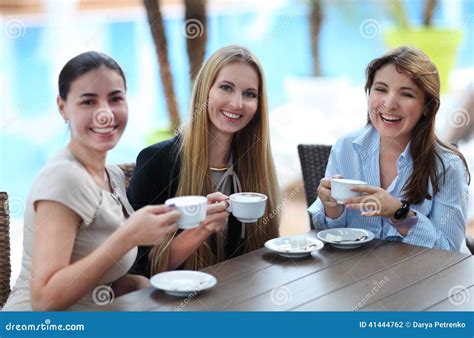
(182, 283)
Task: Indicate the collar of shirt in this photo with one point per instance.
(367, 145)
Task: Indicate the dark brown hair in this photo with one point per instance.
(82, 64)
(425, 147)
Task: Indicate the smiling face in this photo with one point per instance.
(233, 99)
(96, 109)
(395, 103)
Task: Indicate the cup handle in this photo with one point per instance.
(229, 208)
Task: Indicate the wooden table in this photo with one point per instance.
(379, 276)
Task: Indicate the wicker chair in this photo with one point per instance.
(5, 268)
(313, 159)
(127, 169)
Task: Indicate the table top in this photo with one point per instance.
(379, 276)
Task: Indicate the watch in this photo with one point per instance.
(402, 213)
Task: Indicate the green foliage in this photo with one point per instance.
(158, 135)
(398, 12)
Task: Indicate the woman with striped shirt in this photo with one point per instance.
(417, 188)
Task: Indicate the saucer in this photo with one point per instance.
(345, 238)
(294, 246)
(183, 283)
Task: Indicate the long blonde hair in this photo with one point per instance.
(252, 156)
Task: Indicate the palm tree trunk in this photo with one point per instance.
(428, 10)
(196, 34)
(316, 20)
(158, 32)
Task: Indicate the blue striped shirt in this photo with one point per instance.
(441, 221)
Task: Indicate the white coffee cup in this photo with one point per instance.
(193, 210)
(341, 189)
(247, 207)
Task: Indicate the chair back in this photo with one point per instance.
(5, 267)
(127, 169)
(313, 159)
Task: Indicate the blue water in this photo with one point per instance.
(280, 38)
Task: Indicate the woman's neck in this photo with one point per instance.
(219, 149)
(93, 161)
(394, 146)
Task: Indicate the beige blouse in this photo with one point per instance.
(66, 181)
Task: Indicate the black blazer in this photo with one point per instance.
(154, 180)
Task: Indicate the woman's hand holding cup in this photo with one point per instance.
(217, 214)
(331, 208)
(150, 225)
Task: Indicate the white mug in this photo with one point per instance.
(247, 207)
(341, 189)
(193, 210)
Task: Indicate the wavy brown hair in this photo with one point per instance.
(253, 161)
(425, 147)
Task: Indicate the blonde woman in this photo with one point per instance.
(225, 147)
